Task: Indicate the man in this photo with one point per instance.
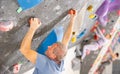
(93, 46)
(53, 62)
(107, 60)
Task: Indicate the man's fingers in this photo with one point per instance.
(31, 19)
(34, 20)
(39, 21)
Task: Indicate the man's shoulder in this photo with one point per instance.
(42, 58)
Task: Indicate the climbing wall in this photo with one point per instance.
(51, 14)
(89, 60)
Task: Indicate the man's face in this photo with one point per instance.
(50, 51)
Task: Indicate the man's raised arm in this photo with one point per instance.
(68, 32)
(25, 47)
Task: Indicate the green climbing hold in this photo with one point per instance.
(19, 10)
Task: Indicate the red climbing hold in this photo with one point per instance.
(95, 37)
(118, 12)
(6, 25)
(72, 11)
(103, 30)
(95, 26)
(88, 52)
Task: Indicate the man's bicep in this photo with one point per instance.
(31, 55)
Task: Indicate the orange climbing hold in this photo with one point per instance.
(72, 11)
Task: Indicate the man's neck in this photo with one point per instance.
(58, 62)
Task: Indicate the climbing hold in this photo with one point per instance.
(95, 37)
(106, 7)
(96, 23)
(82, 33)
(103, 30)
(73, 40)
(112, 0)
(16, 68)
(112, 31)
(90, 8)
(73, 33)
(6, 25)
(94, 27)
(72, 11)
(92, 16)
(27, 4)
(119, 39)
(19, 10)
(87, 52)
(118, 12)
(107, 20)
(119, 33)
(112, 21)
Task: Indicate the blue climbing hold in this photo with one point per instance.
(119, 39)
(82, 33)
(54, 36)
(27, 4)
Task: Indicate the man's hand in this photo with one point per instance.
(72, 13)
(34, 23)
(25, 47)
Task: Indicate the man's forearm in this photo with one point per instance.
(26, 43)
(25, 48)
(69, 29)
(68, 32)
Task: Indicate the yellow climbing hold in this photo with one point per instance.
(92, 16)
(73, 40)
(90, 8)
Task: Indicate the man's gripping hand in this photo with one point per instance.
(34, 23)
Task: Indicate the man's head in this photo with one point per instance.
(56, 52)
(108, 36)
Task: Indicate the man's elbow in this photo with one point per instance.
(23, 51)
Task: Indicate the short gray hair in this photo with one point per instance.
(62, 48)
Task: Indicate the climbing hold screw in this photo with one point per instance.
(73, 33)
(90, 8)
